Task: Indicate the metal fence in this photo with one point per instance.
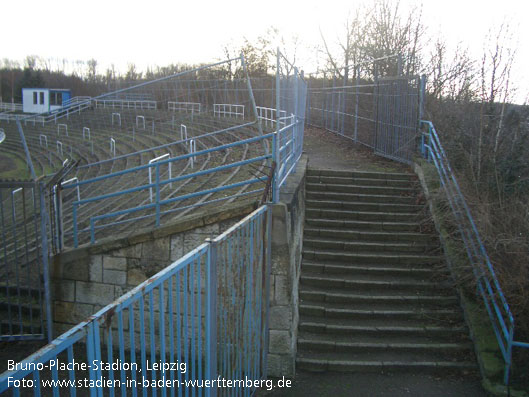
(24, 290)
(488, 287)
(207, 313)
(381, 113)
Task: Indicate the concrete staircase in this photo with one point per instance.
(375, 294)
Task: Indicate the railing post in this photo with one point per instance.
(211, 317)
(45, 256)
(276, 155)
(357, 82)
(296, 113)
(74, 221)
(157, 194)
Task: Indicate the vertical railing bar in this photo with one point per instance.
(132, 348)
(36, 380)
(143, 352)
(71, 372)
(97, 352)
(178, 328)
(192, 301)
(26, 255)
(185, 324)
(121, 352)
(19, 301)
(7, 287)
(110, 357)
(170, 311)
(162, 334)
(152, 337)
(38, 241)
(199, 318)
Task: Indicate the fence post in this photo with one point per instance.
(45, 256)
(422, 88)
(157, 194)
(268, 265)
(276, 155)
(211, 317)
(296, 120)
(357, 82)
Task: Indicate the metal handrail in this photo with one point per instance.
(488, 286)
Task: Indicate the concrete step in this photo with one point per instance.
(363, 198)
(359, 189)
(361, 174)
(367, 235)
(410, 227)
(332, 311)
(421, 273)
(363, 181)
(374, 285)
(364, 206)
(324, 364)
(319, 213)
(393, 298)
(382, 328)
(357, 246)
(407, 352)
(369, 257)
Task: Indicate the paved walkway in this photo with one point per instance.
(327, 150)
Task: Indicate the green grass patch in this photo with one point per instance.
(13, 167)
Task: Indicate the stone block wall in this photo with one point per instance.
(86, 279)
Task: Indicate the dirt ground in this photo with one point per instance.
(327, 150)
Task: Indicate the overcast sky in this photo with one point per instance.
(161, 32)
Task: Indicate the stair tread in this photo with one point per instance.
(367, 234)
(372, 254)
(366, 339)
(388, 295)
(379, 312)
(322, 203)
(367, 244)
(386, 356)
(356, 281)
(380, 325)
(326, 171)
(389, 364)
(326, 266)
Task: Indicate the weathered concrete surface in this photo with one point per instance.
(287, 239)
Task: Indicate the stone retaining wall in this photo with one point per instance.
(86, 279)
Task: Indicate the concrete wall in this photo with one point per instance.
(86, 279)
(288, 218)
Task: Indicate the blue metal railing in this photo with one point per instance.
(207, 312)
(286, 143)
(488, 287)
